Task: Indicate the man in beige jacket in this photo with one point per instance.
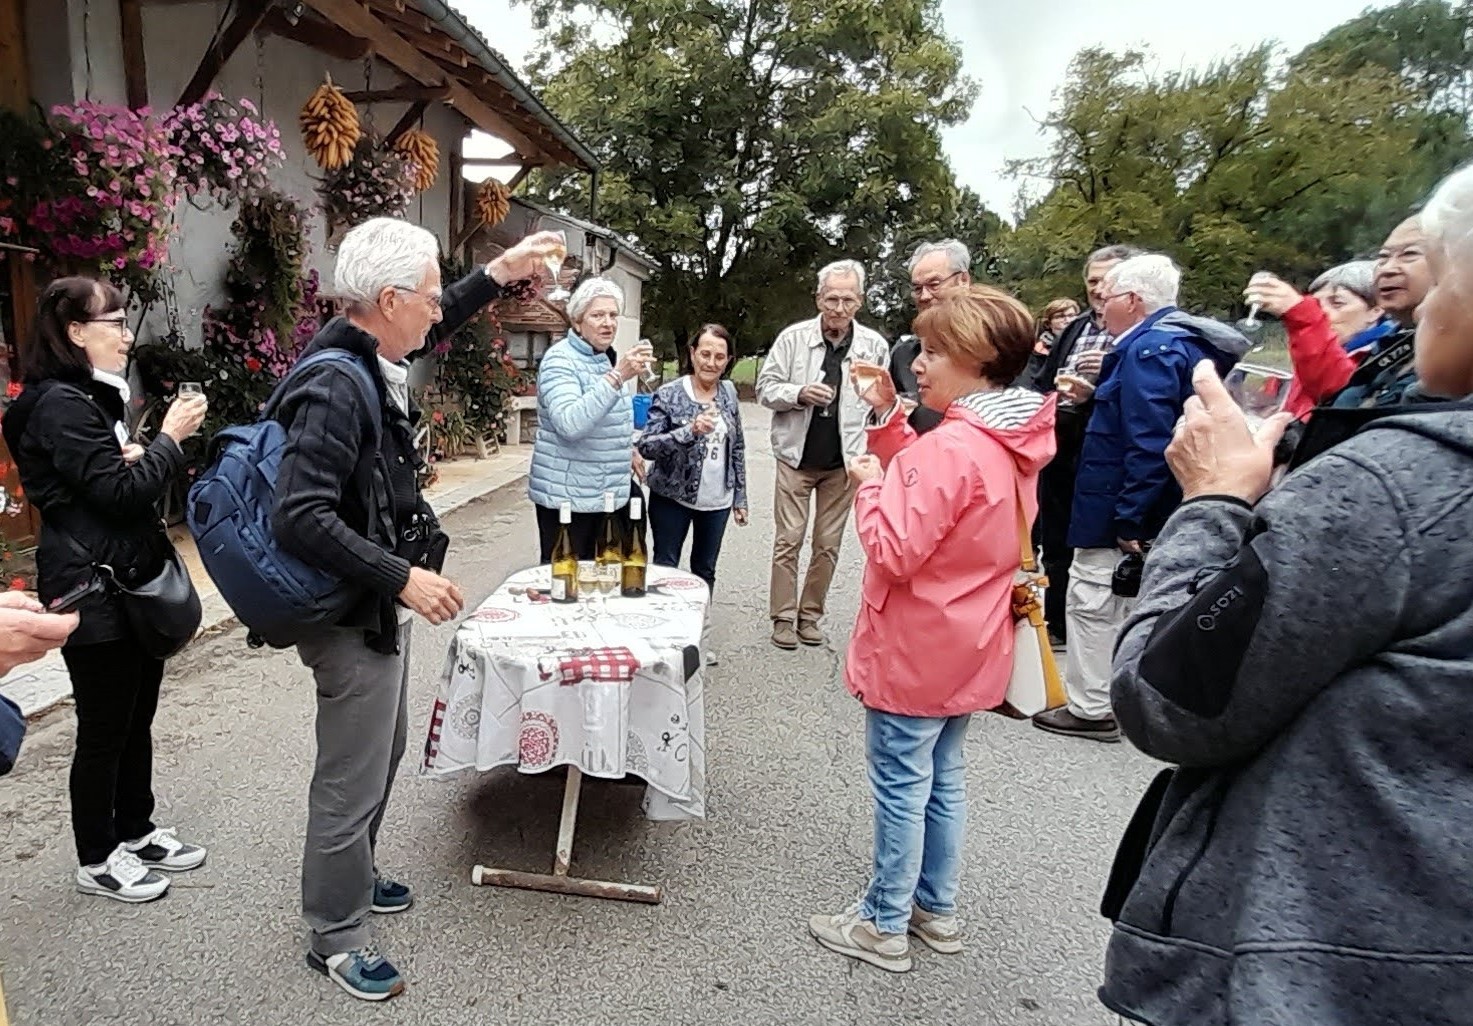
(817, 429)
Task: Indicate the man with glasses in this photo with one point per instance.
(1124, 491)
(935, 268)
(1080, 349)
(348, 502)
(817, 429)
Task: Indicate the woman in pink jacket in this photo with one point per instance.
(938, 517)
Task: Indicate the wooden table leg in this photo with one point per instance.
(558, 881)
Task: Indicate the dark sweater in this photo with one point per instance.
(1308, 662)
(341, 502)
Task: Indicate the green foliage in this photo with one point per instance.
(746, 144)
(474, 370)
(1229, 169)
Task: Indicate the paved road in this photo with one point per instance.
(787, 834)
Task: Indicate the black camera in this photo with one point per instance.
(1126, 581)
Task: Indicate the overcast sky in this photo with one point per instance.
(1019, 54)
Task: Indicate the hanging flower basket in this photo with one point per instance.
(226, 149)
(375, 183)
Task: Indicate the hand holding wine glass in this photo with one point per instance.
(1271, 294)
(873, 384)
(635, 360)
(525, 259)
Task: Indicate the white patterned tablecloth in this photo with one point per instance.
(612, 686)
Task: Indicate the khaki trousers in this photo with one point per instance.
(832, 494)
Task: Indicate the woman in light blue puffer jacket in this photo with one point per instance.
(585, 423)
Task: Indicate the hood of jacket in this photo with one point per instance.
(1227, 345)
(1019, 418)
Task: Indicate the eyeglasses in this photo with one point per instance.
(1115, 295)
(921, 288)
(840, 303)
(120, 322)
(433, 297)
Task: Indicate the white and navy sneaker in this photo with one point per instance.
(122, 877)
(162, 850)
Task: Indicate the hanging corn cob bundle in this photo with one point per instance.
(330, 126)
(493, 202)
(419, 148)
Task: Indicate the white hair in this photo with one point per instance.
(842, 268)
(591, 289)
(380, 253)
(958, 257)
(1153, 277)
(1448, 216)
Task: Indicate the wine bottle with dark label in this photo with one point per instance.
(635, 560)
(564, 559)
(610, 552)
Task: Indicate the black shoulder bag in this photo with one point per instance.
(164, 612)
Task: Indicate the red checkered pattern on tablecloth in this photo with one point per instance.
(437, 727)
(610, 665)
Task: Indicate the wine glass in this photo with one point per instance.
(189, 389)
(553, 259)
(1251, 325)
(650, 376)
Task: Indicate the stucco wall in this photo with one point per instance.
(274, 73)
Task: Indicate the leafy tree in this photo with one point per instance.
(747, 142)
(1222, 168)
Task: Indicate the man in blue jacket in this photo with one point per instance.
(1124, 491)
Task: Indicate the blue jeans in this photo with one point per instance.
(671, 521)
(917, 769)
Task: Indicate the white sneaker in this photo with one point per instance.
(162, 850)
(942, 934)
(850, 935)
(122, 877)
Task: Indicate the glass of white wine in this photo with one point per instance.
(553, 259)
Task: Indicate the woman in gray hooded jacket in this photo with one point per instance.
(1304, 656)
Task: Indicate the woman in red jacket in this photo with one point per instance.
(1329, 330)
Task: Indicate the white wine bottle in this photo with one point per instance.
(564, 559)
(635, 560)
(610, 553)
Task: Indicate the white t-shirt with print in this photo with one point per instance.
(713, 493)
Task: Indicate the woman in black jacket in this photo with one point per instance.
(97, 494)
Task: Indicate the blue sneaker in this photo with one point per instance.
(390, 896)
(363, 972)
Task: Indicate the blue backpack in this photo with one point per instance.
(280, 599)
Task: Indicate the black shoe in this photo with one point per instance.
(1056, 641)
(1062, 721)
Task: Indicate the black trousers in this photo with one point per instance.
(1055, 504)
(584, 530)
(116, 688)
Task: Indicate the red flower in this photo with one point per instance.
(13, 390)
(17, 584)
(252, 364)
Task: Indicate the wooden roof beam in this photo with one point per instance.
(316, 35)
(249, 15)
(404, 55)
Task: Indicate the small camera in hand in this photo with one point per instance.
(1126, 582)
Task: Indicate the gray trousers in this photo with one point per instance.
(362, 718)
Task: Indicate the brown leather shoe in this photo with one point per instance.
(1062, 721)
(783, 635)
(809, 634)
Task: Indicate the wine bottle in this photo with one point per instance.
(564, 559)
(610, 553)
(634, 557)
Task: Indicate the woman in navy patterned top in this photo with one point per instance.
(697, 457)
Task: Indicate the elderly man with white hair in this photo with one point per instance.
(1123, 489)
(585, 420)
(349, 503)
(817, 429)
